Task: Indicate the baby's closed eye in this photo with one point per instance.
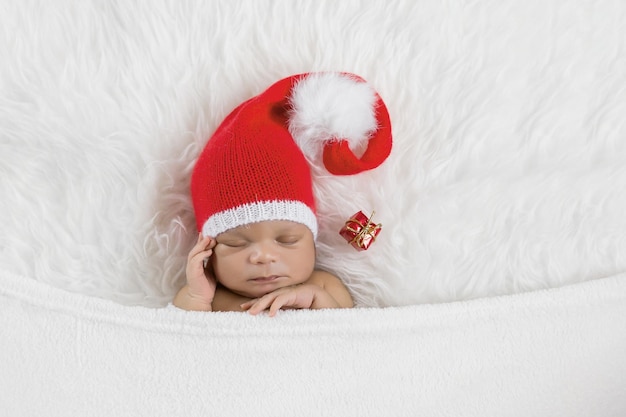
(288, 239)
(233, 243)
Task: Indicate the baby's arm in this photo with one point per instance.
(333, 287)
(321, 290)
(199, 291)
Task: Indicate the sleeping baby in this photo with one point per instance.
(253, 196)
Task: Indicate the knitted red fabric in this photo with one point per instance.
(340, 160)
(252, 169)
(252, 161)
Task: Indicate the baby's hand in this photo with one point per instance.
(200, 280)
(299, 296)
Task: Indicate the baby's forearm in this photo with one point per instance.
(187, 301)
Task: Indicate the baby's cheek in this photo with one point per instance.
(225, 260)
(303, 266)
(223, 251)
(218, 249)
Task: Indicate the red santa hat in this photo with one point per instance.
(254, 167)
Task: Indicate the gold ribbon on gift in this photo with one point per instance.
(367, 230)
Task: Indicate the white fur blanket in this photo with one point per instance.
(502, 206)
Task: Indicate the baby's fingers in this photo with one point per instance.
(246, 306)
(277, 305)
(272, 301)
(205, 241)
(254, 307)
(284, 300)
(204, 245)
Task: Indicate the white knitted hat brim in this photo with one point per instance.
(294, 211)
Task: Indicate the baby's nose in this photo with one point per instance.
(262, 253)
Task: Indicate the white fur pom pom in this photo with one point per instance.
(331, 106)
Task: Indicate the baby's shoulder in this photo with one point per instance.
(333, 286)
(322, 278)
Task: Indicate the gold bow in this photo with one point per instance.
(366, 232)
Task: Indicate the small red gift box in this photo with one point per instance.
(359, 231)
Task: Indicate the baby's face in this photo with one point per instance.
(259, 258)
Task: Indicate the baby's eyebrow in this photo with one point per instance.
(289, 233)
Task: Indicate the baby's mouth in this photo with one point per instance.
(266, 279)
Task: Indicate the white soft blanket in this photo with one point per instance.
(549, 353)
(502, 253)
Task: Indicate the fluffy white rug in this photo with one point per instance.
(507, 176)
(507, 173)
